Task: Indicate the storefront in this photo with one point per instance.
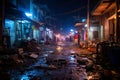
(20, 27)
(108, 13)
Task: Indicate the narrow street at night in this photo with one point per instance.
(59, 39)
(63, 61)
(60, 61)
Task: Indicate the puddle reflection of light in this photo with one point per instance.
(72, 51)
(71, 58)
(59, 48)
(45, 55)
(89, 78)
(25, 77)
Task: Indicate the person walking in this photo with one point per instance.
(76, 38)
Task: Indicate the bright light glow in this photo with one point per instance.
(58, 35)
(59, 48)
(76, 31)
(79, 24)
(47, 29)
(89, 78)
(28, 38)
(28, 14)
(72, 51)
(71, 33)
(23, 21)
(45, 55)
(71, 30)
(9, 24)
(85, 25)
(91, 29)
(83, 20)
(72, 59)
(25, 77)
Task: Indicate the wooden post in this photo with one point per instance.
(2, 3)
(117, 21)
(88, 22)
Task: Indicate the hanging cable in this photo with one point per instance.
(69, 12)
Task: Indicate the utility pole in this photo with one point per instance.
(88, 21)
(2, 3)
(117, 21)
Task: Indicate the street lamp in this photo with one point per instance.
(28, 15)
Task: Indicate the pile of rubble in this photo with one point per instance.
(96, 71)
(30, 46)
(19, 58)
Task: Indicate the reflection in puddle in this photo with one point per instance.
(72, 59)
(59, 48)
(25, 77)
(72, 51)
(60, 44)
(45, 55)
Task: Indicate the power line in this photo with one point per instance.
(73, 11)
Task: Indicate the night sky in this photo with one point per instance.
(67, 12)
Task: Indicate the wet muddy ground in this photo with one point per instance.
(63, 61)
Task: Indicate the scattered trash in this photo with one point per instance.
(33, 55)
(20, 50)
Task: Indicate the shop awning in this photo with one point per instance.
(12, 12)
(15, 14)
(38, 24)
(103, 7)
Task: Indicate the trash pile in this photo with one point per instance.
(90, 45)
(30, 46)
(17, 62)
(98, 63)
(48, 64)
(19, 58)
(16, 57)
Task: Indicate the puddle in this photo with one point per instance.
(59, 49)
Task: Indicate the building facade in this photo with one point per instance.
(107, 16)
(21, 20)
